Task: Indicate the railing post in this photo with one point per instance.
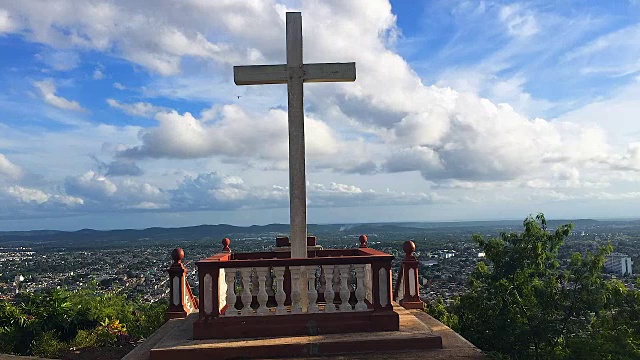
(213, 284)
(381, 288)
(410, 285)
(179, 301)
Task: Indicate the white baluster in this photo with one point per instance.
(296, 306)
(261, 274)
(208, 292)
(352, 278)
(345, 270)
(222, 289)
(361, 290)
(230, 279)
(312, 293)
(322, 282)
(383, 286)
(281, 296)
(246, 297)
(329, 294)
(336, 280)
(269, 283)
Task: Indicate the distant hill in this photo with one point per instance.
(91, 238)
(187, 233)
(124, 236)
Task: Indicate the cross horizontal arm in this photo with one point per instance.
(278, 74)
(329, 72)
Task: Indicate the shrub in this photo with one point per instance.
(47, 345)
(85, 338)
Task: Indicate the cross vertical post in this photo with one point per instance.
(297, 173)
(295, 73)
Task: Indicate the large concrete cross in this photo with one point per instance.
(294, 73)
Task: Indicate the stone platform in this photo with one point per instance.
(420, 336)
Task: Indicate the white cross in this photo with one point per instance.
(294, 73)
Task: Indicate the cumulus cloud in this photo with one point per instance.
(336, 195)
(48, 91)
(24, 202)
(90, 185)
(385, 121)
(27, 195)
(156, 37)
(142, 109)
(234, 133)
(118, 167)
(123, 168)
(92, 192)
(389, 120)
(215, 192)
(108, 193)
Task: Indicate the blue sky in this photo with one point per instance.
(118, 114)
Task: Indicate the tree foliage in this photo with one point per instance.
(524, 304)
(48, 323)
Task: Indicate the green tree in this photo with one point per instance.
(522, 304)
(49, 323)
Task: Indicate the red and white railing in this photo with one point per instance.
(332, 291)
(272, 284)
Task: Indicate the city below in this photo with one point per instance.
(134, 262)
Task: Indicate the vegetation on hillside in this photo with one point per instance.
(523, 303)
(49, 324)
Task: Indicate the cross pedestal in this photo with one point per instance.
(294, 73)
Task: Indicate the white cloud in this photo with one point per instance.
(214, 192)
(596, 56)
(90, 185)
(9, 170)
(48, 91)
(617, 114)
(7, 22)
(107, 194)
(60, 60)
(156, 37)
(142, 109)
(97, 74)
(27, 195)
(237, 134)
(388, 121)
(440, 132)
(519, 21)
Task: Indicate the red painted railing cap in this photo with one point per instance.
(177, 255)
(225, 245)
(409, 247)
(363, 241)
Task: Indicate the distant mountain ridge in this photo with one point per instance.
(202, 232)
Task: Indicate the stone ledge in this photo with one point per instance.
(428, 333)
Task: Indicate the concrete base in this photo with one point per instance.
(420, 336)
(238, 327)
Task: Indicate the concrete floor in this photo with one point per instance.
(418, 330)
